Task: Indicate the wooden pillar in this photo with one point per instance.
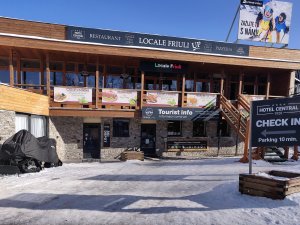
(11, 69)
(286, 152)
(104, 75)
(97, 83)
(183, 91)
(19, 70)
(222, 83)
(256, 85)
(268, 86)
(42, 75)
(296, 154)
(142, 88)
(240, 83)
(48, 75)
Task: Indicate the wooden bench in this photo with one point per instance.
(132, 155)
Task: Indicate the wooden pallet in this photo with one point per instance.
(274, 187)
(132, 155)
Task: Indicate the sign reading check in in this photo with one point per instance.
(275, 122)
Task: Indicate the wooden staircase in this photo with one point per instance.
(238, 119)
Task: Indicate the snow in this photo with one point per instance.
(150, 192)
(266, 175)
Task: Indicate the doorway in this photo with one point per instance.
(148, 139)
(91, 141)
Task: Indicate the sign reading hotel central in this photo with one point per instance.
(276, 122)
(118, 38)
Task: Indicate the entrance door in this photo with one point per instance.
(148, 138)
(91, 141)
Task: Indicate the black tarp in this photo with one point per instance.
(24, 145)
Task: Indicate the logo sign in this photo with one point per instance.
(163, 67)
(118, 38)
(265, 21)
(106, 135)
(276, 122)
(158, 113)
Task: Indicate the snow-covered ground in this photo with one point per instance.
(150, 192)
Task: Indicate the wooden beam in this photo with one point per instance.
(42, 75)
(97, 82)
(142, 88)
(91, 113)
(11, 69)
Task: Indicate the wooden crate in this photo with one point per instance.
(132, 155)
(271, 184)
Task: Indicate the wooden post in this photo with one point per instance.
(240, 83)
(19, 70)
(104, 75)
(222, 83)
(268, 86)
(97, 82)
(11, 69)
(42, 75)
(183, 91)
(246, 144)
(296, 154)
(286, 152)
(142, 88)
(48, 75)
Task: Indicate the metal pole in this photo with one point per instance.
(237, 11)
(250, 138)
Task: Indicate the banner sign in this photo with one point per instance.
(161, 98)
(119, 96)
(158, 113)
(118, 38)
(73, 94)
(275, 122)
(106, 135)
(163, 67)
(266, 21)
(201, 100)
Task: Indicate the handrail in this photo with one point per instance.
(244, 103)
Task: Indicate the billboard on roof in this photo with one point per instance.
(265, 21)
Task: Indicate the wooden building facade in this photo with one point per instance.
(97, 97)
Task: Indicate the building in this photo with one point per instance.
(98, 92)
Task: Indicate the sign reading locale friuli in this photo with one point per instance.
(265, 21)
(73, 94)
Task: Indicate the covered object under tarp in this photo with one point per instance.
(24, 145)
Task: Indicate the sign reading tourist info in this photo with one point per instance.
(275, 122)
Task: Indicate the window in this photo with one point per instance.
(36, 125)
(199, 129)
(174, 128)
(30, 77)
(114, 82)
(74, 79)
(121, 128)
(202, 86)
(4, 76)
(189, 85)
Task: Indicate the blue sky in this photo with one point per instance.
(199, 19)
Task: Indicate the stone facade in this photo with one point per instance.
(7, 125)
(68, 133)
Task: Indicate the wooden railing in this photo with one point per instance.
(233, 117)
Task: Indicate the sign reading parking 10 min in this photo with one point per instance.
(276, 122)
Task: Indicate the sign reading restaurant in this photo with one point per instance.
(118, 38)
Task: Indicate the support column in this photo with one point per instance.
(11, 69)
(292, 84)
(240, 83)
(183, 90)
(222, 83)
(142, 88)
(97, 83)
(268, 86)
(48, 75)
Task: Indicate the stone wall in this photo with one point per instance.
(68, 132)
(7, 125)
